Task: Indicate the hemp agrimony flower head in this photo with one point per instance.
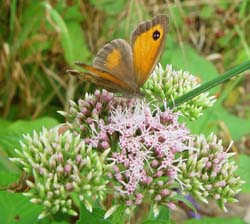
(83, 116)
(168, 84)
(208, 171)
(121, 146)
(63, 167)
(145, 155)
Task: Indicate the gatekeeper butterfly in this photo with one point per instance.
(121, 67)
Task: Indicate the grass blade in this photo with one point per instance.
(210, 84)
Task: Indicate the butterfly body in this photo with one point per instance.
(121, 67)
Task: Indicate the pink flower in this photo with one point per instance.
(146, 147)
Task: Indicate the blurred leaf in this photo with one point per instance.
(96, 217)
(162, 218)
(243, 40)
(58, 218)
(215, 220)
(13, 6)
(4, 123)
(7, 178)
(34, 11)
(117, 217)
(49, 221)
(243, 9)
(233, 97)
(72, 38)
(209, 122)
(29, 26)
(205, 124)
(207, 12)
(80, 50)
(243, 171)
(15, 208)
(6, 165)
(176, 16)
(225, 40)
(186, 58)
(64, 33)
(126, 25)
(13, 133)
(73, 13)
(237, 126)
(185, 201)
(109, 6)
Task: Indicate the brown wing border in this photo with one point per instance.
(146, 25)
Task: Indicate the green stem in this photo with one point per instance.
(210, 84)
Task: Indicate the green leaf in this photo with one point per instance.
(209, 122)
(96, 217)
(186, 58)
(58, 218)
(49, 221)
(15, 208)
(29, 26)
(13, 12)
(73, 13)
(243, 10)
(179, 197)
(243, 171)
(80, 51)
(176, 16)
(13, 133)
(7, 178)
(109, 6)
(6, 165)
(207, 12)
(237, 126)
(162, 218)
(4, 123)
(215, 220)
(117, 217)
(64, 32)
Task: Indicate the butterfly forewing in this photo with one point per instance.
(147, 42)
(98, 80)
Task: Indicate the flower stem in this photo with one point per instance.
(210, 84)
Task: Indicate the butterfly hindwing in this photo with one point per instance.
(103, 75)
(97, 80)
(116, 59)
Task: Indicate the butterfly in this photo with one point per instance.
(123, 67)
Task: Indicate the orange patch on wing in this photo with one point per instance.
(145, 52)
(113, 59)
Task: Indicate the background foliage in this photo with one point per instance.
(39, 40)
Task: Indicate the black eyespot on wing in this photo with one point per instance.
(156, 35)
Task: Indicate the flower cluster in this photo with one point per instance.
(123, 146)
(169, 84)
(62, 165)
(208, 171)
(83, 117)
(145, 156)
